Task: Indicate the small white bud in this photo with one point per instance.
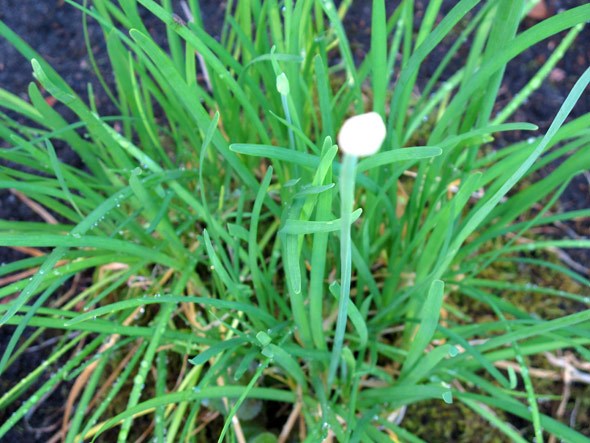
(362, 135)
(283, 84)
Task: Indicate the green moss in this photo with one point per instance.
(543, 305)
(435, 422)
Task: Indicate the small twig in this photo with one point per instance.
(534, 372)
(146, 433)
(33, 252)
(187, 12)
(68, 294)
(205, 420)
(302, 428)
(560, 253)
(38, 431)
(48, 342)
(203, 67)
(16, 277)
(191, 19)
(571, 373)
(180, 377)
(113, 376)
(293, 416)
(240, 437)
(139, 281)
(397, 416)
(24, 274)
(35, 207)
(569, 231)
(564, 257)
(565, 397)
(82, 379)
(35, 406)
(215, 323)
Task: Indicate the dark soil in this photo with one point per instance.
(54, 29)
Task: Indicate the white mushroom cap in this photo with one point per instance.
(362, 135)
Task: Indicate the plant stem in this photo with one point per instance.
(347, 176)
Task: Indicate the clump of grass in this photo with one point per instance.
(209, 213)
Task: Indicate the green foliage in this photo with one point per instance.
(221, 246)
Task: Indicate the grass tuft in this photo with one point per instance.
(243, 282)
